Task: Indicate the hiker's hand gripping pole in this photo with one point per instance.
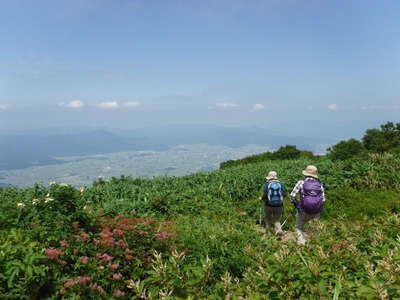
(295, 203)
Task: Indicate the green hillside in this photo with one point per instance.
(196, 237)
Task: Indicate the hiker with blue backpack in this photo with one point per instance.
(312, 198)
(273, 196)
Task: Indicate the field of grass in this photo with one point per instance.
(196, 237)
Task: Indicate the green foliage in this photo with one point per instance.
(283, 153)
(222, 240)
(385, 139)
(22, 269)
(358, 205)
(49, 214)
(349, 259)
(286, 152)
(346, 149)
(195, 236)
(266, 156)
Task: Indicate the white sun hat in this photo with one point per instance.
(272, 176)
(311, 171)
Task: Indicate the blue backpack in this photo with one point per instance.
(275, 194)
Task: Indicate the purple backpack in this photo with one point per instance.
(311, 196)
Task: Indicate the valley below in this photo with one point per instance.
(83, 170)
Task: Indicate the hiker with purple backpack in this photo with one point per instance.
(312, 198)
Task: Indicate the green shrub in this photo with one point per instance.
(286, 152)
(347, 149)
(223, 240)
(385, 139)
(352, 252)
(22, 270)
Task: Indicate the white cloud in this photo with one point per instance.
(258, 107)
(333, 107)
(372, 106)
(108, 105)
(73, 104)
(226, 105)
(132, 104)
(379, 106)
(4, 106)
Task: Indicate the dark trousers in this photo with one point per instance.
(273, 216)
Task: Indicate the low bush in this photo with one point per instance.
(23, 272)
(102, 263)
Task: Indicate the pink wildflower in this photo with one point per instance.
(84, 236)
(117, 276)
(119, 293)
(96, 287)
(53, 253)
(105, 234)
(63, 243)
(128, 253)
(105, 257)
(122, 243)
(84, 259)
(69, 283)
(118, 232)
(83, 279)
(163, 235)
(113, 267)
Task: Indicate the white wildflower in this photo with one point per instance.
(20, 204)
(87, 209)
(82, 189)
(35, 201)
(130, 284)
(48, 199)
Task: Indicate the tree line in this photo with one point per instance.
(284, 152)
(385, 139)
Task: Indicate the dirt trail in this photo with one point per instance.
(287, 235)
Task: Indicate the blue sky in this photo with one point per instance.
(133, 63)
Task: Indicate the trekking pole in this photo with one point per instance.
(260, 212)
(293, 213)
(285, 221)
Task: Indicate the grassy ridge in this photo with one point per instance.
(223, 188)
(212, 248)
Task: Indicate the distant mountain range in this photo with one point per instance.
(25, 149)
